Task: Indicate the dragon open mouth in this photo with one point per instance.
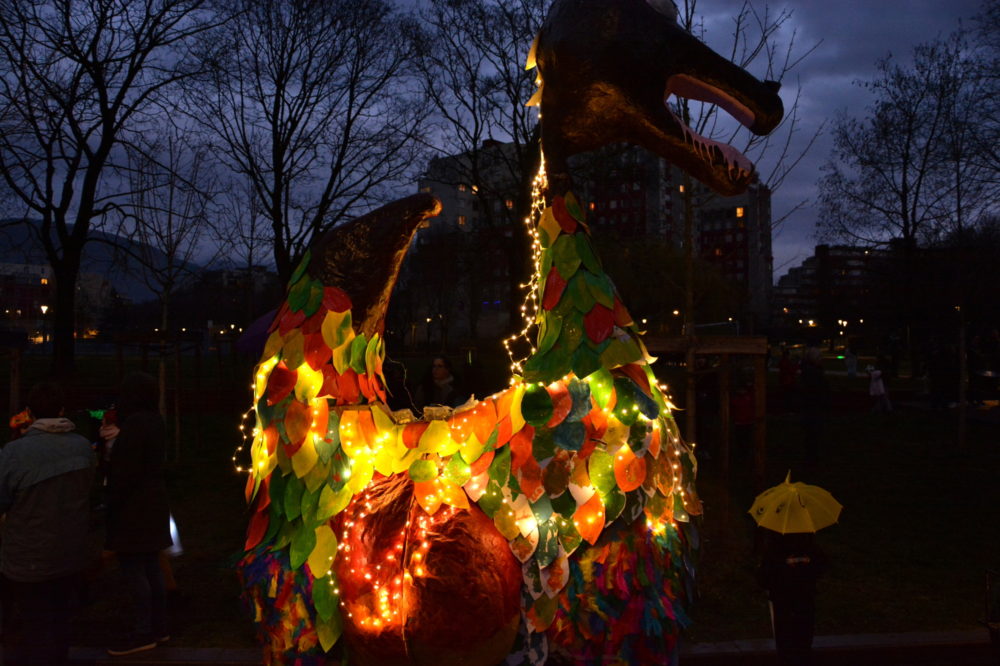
(713, 152)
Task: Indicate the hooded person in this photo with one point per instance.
(45, 482)
(138, 523)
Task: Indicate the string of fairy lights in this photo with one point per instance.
(529, 309)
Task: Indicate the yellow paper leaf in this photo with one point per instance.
(505, 523)
(471, 449)
(331, 323)
(305, 458)
(308, 383)
(260, 378)
(530, 63)
(361, 474)
(342, 354)
(437, 439)
(550, 225)
(536, 99)
(273, 345)
(616, 434)
(321, 558)
(293, 351)
(452, 495)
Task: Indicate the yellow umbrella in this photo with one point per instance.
(795, 507)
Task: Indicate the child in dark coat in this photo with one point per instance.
(789, 569)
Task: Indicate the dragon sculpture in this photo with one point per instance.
(548, 522)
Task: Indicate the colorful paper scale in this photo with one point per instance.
(579, 465)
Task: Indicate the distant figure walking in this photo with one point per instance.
(789, 569)
(439, 386)
(138, 515)
(878, 391)
(851, 362)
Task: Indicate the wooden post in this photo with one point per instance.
(177, 400)
(760, 421)
(725, 430)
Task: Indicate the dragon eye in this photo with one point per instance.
(665, 7)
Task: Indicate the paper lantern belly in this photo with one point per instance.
(421, 589)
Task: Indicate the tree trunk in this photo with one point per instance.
(690, 430)
(64, 331)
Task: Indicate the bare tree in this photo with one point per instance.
(311, 103)
(472, 56)
(166, 225)
(244, 232)
(76, 79)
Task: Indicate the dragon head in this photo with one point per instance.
(607, 68)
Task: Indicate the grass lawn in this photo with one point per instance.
(921, 522)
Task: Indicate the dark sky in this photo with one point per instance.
(854, 34)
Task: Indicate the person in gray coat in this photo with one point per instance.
(45, 484)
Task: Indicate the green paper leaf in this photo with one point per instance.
(579, 291)
(569, 537)
(284, 536)
(542, 509)
(309, 501)
(276, 489)
(620, 353)
(601, 468)
(315, 298)
(543, 446)
(585, 361)
(328, 631)
(492, 499)
(626, 410)
(585, 251)
(635, 502)
(303, 542)
(572, 331)
(614, 502)
(564, 505)
(602, 386)
(565, 256)
(570, 435)
(500, 467)
(293, 498)
(323, 596)
(548, 332)
(543, 238)
(600, 288)
(331, 502)
(298, 295)
(457, 471)
(546, 263)
(301, 268)
(536, 406)
(330, 441)
(422, 471)
(358, 348)
(548, 544)
(579, 392)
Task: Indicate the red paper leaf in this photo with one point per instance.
(347, 388)
(366, 387)
(520, 447)
(484, 419)
(412, 433)
(297, 420)
(336, 299)
(565, 220)
(482, 463)
(316, 352)
(562, 403)
(280, 383)
(330, 388)
(529, 476)
(503, 431)
(555, 285)
(637, 375)
(271, 439)
(599, 323)
(313, 324)
(630, 470)
(278, 317)
(589, 519)
(622, 316)
(291, 320)
(257, 529)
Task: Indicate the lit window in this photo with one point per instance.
(680, 188)
(475, 189)
(461, 187)
(461, 220)
(739, 211)
(510, 204)
(592, 205)
(425, 189)
(45, 280)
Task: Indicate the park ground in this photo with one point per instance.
(920, 525)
